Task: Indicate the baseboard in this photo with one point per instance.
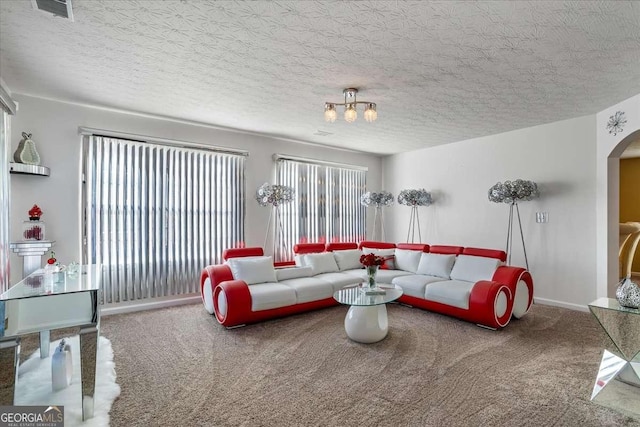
(130, 307)
(554, 303)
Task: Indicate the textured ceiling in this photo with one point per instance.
(440, 72)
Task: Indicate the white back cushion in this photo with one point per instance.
(299, 259)
(379, 252)
(407, 260)
(348, 259)
(438, 265)
(293, 273)
(321, 263)
(253, 269)
(387, 254)
(473, 268)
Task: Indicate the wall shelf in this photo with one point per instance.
(21, 168)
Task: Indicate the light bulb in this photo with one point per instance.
(330, 112)
(370, 113)
(350, 113)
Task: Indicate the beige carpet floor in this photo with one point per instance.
(179, 367)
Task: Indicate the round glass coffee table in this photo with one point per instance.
(366, 320)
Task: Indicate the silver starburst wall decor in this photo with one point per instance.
(616, 123)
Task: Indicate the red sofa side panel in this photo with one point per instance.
(482, 304)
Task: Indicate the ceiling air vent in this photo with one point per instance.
(60, 8)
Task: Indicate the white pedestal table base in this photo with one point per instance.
(367, 324)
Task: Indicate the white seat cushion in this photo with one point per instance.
(407, 260)
(450, 292)
(321, 263)
(309, 289)
(437, 265)
(414, 284)
(253, 269)
(339, 280)
(265, 296)
(474, 268)
(348, 259)
(360, 273)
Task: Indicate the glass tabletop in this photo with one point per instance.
(612, 304)
(39, 284)
(622, 324)
(356, 296)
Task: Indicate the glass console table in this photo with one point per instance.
(366, 320)
(618, 381)
(40, 303)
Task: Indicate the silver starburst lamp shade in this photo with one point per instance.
(274, 195)
(419, 197)
(414, 199)
(378, 201)
(512, 192)
(383, 198)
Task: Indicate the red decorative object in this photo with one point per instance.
(33, 233)
(35, 213)
(369, 260)
(52, 258)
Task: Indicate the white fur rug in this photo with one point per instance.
(34, 384)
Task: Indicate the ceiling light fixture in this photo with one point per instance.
(350, 112)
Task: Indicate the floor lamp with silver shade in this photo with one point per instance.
(414, 199)
(274, 196)
(512, 192)
(378, 201)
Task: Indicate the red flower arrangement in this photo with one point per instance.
(35, 213)
(369, 260)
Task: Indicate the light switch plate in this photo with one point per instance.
(542, 217)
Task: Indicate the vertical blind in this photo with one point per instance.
(156, 214)
(326, 207)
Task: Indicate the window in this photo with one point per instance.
(327, 204)
(155, 214)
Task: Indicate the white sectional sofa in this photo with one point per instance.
(468, 283)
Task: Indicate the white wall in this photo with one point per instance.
(55, 130)
(560, 157)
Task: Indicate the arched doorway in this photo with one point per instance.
(613, 209)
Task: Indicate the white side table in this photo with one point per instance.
(35, 305)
